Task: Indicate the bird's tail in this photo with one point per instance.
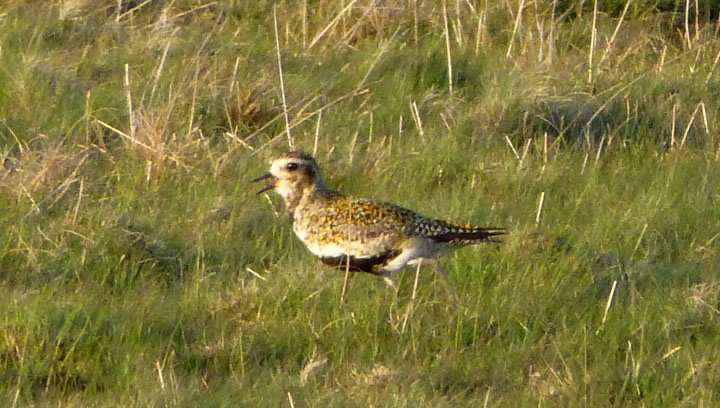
(458, 234)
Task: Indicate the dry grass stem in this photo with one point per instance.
(447, 47)
(526, 149)
(714, 65)
(161, 66)
(600, 149)
(611, 296)
(512, 147)
(614, 34)
(417, 279)
(128, 96)
(257, 275)
(593, 40)
(125, 136)
(304, 23)
(689, 125)
(639, 240)
(582, 171)
(317, 133)
(516, 26)
(551, 35)
(79, 199)
(540, 208)
(331, 24)
(291, 143)
(480, 34)
(382, 50)
(167, 20)
(416, 118)
(160, 375)
(687, 24)
(671, 352)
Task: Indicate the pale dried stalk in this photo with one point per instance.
(282, 82)
(331, 24)
(593, 39)
(614, 34)
(447, 46)
(515, 28)
(540, 208)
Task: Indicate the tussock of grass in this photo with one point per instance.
(139, 268)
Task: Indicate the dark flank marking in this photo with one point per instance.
(368, 265)
(479, 235)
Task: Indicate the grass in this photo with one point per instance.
(138, 268)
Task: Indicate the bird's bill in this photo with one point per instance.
(269, 186)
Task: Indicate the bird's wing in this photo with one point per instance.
(358, 228)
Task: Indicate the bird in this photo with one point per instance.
(359, 234)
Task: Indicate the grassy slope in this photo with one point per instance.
(126, 252)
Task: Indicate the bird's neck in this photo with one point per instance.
(294, 196)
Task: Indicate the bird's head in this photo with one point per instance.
(292, 174)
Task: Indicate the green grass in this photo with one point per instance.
(138, 267)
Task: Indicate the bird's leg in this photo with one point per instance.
(391, 282)
(439, 269)
(387, 277)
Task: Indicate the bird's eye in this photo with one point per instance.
(291, 166)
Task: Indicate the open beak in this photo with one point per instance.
(269, 186)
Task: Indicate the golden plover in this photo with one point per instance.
(367, 236)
